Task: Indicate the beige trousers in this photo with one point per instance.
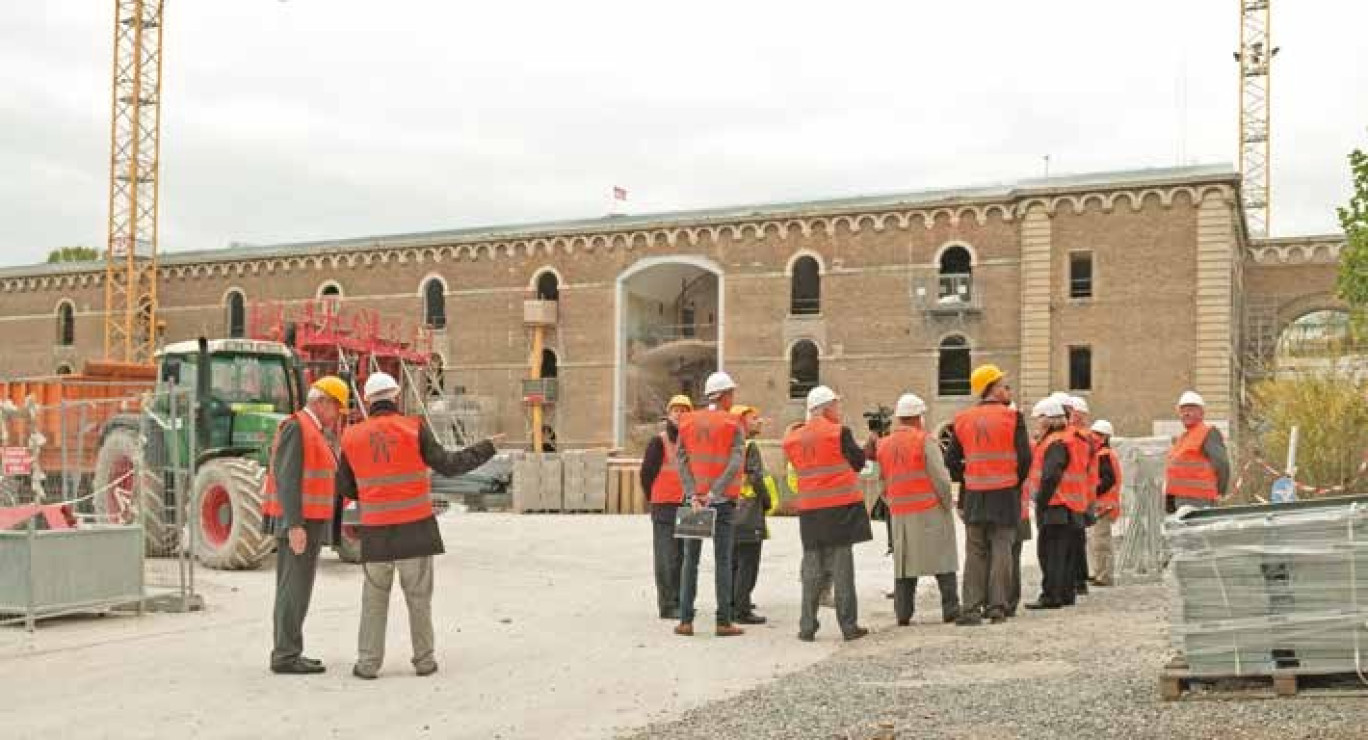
(1100, 551)
(415, 580)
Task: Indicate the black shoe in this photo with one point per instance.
(950, 616)
(971, 619)
(1068, 602)
(1081, 589)
(426, 670)
(904, 622)
(1043, 604)
(856, 634)
(997, 616)
(363, 675)
(670, 614)
(807, 636)
(298, 667)
(1011, 613)
(750, 618)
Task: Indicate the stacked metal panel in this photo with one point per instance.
(1256, 588)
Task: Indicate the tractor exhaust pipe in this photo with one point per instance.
(204, 381)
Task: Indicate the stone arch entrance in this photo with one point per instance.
(669, 321)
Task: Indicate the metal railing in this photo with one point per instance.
(652, 336)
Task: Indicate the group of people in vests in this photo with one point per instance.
(384, 463)
(1061, 466)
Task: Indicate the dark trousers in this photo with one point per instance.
(905, 597)
(823, 566)
(1078, 552)
(722, 580)
(745, 572)
(1014, 593)
(294, 589)
(1053, 547)
(988, 566)
(668, 555)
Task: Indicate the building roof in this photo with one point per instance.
(1001, 192)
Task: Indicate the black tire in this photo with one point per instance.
(123, 497)
(225, 514)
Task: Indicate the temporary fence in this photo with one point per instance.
(1139, 542)
(89, 520)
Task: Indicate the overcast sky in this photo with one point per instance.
(309, 119)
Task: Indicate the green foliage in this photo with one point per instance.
(1352, 285)
(73, 254)
(1329, 408)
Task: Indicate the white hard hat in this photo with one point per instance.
(718, 383)
(379, 386)
(1049, 407)
(908, 406)
(1062, 398)
(1190, 398)
(1078, 404)
(819, 397)
(1102, 426)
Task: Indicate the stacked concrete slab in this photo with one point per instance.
(1257, 588)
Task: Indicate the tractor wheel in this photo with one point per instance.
(348, 546)
(225, 513)
(121, 498)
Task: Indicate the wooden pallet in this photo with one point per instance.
(1177, 680)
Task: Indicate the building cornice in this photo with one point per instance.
(689, 229)
(1298, 250)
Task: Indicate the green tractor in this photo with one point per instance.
(243, 389)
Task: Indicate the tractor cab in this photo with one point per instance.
(244, 387)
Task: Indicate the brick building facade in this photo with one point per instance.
(1128, 287)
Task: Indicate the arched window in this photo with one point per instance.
(434, 304)
(549, 364)
(236, 310)
(806, 288)
(956, 275)
(548, 286)
(330, 289)
(64, 369)
(953, 369)
(66, 324)
(804, 368)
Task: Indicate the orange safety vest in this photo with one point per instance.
(316, 480)
(825, 478)
(987, 432)
(1190, 474)
(1109, 501)
(902, 464)
(708, 435)
(1094, 476)
(393, 484)
(1072, 491)
(667, 488)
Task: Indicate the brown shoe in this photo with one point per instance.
(684, 629)
(729, 630)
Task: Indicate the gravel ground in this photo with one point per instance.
(1099, 662)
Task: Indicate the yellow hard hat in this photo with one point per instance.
(334, 387)
(984, 376)
(680, 400)
(740, 410)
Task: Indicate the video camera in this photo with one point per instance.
(880, 420)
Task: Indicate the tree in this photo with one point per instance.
(1331, 410)
(1352, 285)
(73, 254)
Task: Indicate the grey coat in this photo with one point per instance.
(924, 543)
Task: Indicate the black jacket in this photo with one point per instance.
(842, 525)
(1051, 473)
(1002, 506)
(423, 537)
(749, 524)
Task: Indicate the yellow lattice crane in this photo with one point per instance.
(134, 152)
(1256, 60)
